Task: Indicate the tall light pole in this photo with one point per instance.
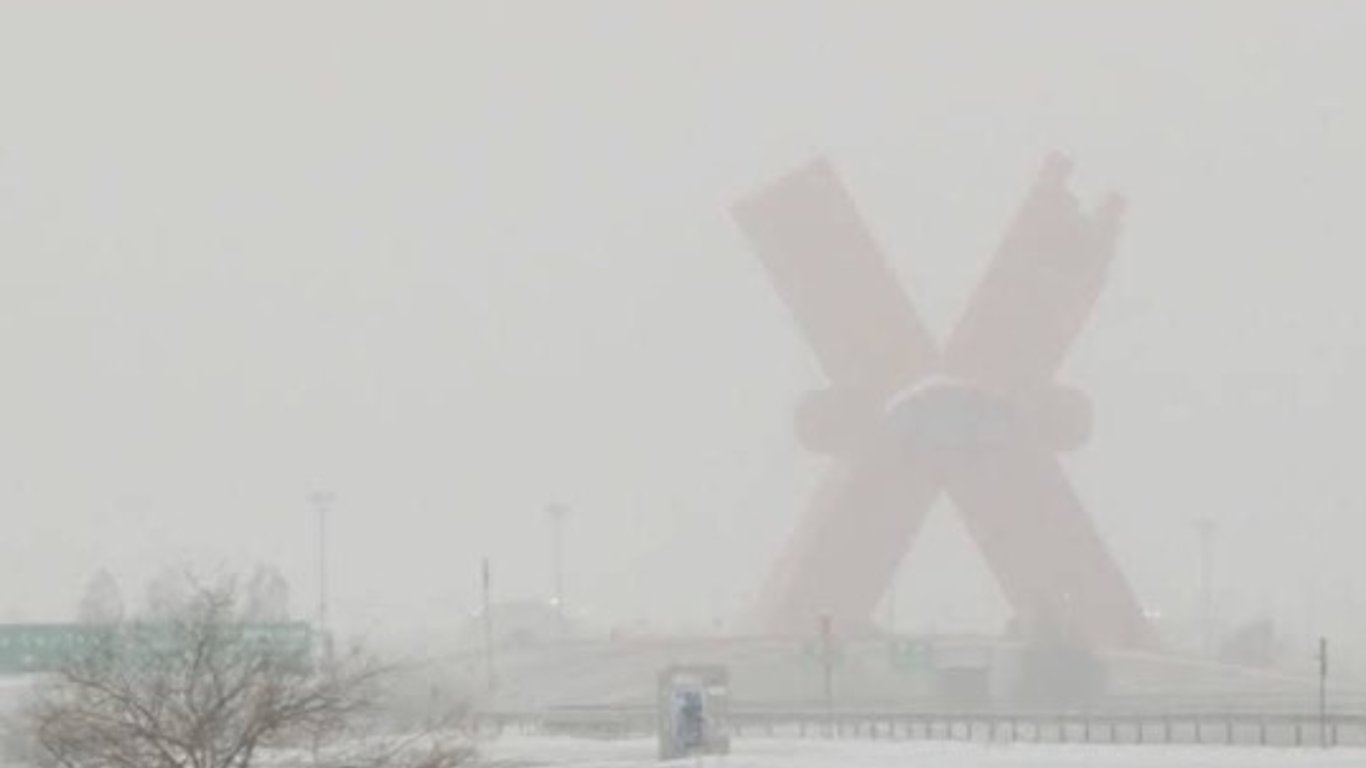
(557, 514)
(322, 502)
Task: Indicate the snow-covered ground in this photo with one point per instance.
(792, 753)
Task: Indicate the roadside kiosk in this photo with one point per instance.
(693, 711)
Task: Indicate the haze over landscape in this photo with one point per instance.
(454, 262)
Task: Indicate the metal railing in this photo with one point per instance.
(1270, 728)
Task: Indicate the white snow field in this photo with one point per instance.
(524, 751)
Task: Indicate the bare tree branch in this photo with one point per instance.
(198, 689)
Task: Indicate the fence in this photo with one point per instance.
(1286, 729)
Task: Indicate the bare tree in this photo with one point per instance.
(169, 593)
(267, 595)
(102, 602)
(199, 688)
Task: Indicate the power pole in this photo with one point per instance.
(322, 501)
(1322, 659)
(488, 629)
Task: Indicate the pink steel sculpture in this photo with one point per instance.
(981, 418)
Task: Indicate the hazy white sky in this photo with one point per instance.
(453, 261)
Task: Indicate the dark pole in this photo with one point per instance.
(1323, 691)
(827, 662)
(488, 626)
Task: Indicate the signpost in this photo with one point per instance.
(38, 648)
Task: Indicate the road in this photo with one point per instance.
(791, 753)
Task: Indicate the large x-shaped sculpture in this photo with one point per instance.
(982, 419)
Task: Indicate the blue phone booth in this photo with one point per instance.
(693, 711)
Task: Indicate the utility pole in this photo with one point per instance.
(1322, 659)
(557, 514)
(488, 629)
(828, 676)
(322, 502)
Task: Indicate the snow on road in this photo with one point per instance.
(793, 753)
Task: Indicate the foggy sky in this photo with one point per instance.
(456, 261)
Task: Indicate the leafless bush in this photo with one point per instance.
(199, 688)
